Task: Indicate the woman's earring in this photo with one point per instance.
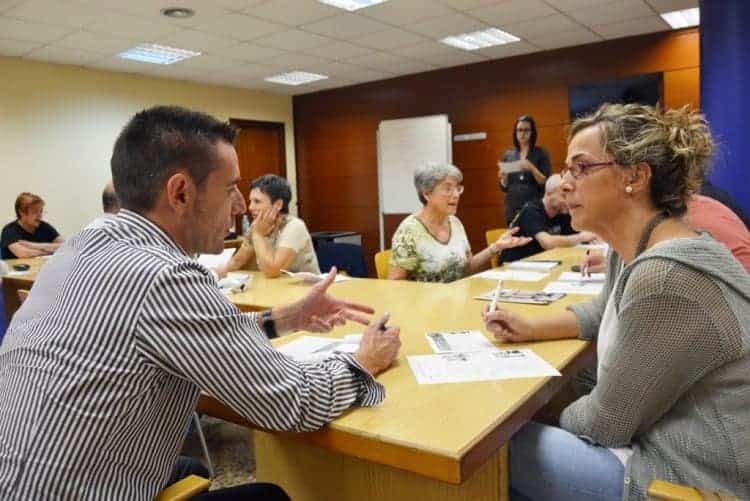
(628, 189)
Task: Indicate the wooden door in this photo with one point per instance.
(261, 150)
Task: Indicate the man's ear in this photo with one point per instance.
(180, 192)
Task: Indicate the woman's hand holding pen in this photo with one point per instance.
(506, 326)
(593, 262)
(379, 346)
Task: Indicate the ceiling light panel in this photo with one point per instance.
(351, 5)
(480, 39)
(157, 54)
(682, 18)
(295, 78)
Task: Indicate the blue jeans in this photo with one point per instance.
(549, 463)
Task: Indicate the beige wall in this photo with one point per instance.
(58, 124)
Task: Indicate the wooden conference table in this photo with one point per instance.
(439, 442)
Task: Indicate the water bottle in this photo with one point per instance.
(245, 224)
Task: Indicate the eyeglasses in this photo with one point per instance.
(578, 169)
(449, 190)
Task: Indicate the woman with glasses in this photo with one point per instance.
(671, 327)
(528, 183)
(431, 245)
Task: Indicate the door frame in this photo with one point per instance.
(241, 123)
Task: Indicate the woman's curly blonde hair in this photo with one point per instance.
(676, 144)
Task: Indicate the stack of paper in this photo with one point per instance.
(517, 275)
(215, 261)
(312, 278)
(575, 283)
(536, 265)
(315, 348)
(465, 356)
(522, 297)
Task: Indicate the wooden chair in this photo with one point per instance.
(492, 236)
(667, 491)
(187, 487)
(382, 260)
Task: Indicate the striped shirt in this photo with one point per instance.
(101, 368)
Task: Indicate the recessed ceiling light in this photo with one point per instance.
(683, 18)
(157, 54)
(351, 5)
(480, 39)
(295, 78)
(178, 12)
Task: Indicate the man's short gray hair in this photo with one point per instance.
(553, 182)
(430, 175)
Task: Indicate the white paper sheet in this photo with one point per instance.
(534, 265)
(600, 247)
(316, 348)
(517, 275)
(510, 167)
(578, 287)
(479, 366)
(572, 276)
(455, 341)
(214, 261)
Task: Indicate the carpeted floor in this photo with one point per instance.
(231, 449)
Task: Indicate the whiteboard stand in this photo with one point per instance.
(403, 145)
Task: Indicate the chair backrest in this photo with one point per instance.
(668, 491)
(382, 260)
(345, 257)
(492, 236)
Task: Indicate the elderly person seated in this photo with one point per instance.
(431, 245)
(29, 236)
(547, 222)
(276, 240)
(671, 327)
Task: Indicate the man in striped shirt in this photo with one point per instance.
(102, 366)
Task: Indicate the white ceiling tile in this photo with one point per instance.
(96, 42)
(512, 11)
(250, 52)
(15, 29)
(670, 5)
(621, 10)
(334, 68)
(294, 61)
(345, 26)
(292, 12)
(122, 65)
(57, 12)
(508, 50)
(555, 23)
(293, 40)
(452, 24)
(455, 59)
(406, 12)
(241, 27)
(580, 36)
(8, 4)
(150, 10)
(194, 40)
(390, 39)
(409, 67)
(131, 27)
(468, 4)
(208, 62)
(338, 50)
(632, 27)
(64, 56)
(566, 5)
(367, 75)
(378, 60)
(253, 71)
(421, 50)
(17, 47)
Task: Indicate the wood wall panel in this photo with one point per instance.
(335, 130)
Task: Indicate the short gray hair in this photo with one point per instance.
(553, 182)
(430, 175)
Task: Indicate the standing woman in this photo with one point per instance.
(671, 327)
(528, 184)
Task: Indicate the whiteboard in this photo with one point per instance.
(404, 145)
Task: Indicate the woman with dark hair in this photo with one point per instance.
(528, 183)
